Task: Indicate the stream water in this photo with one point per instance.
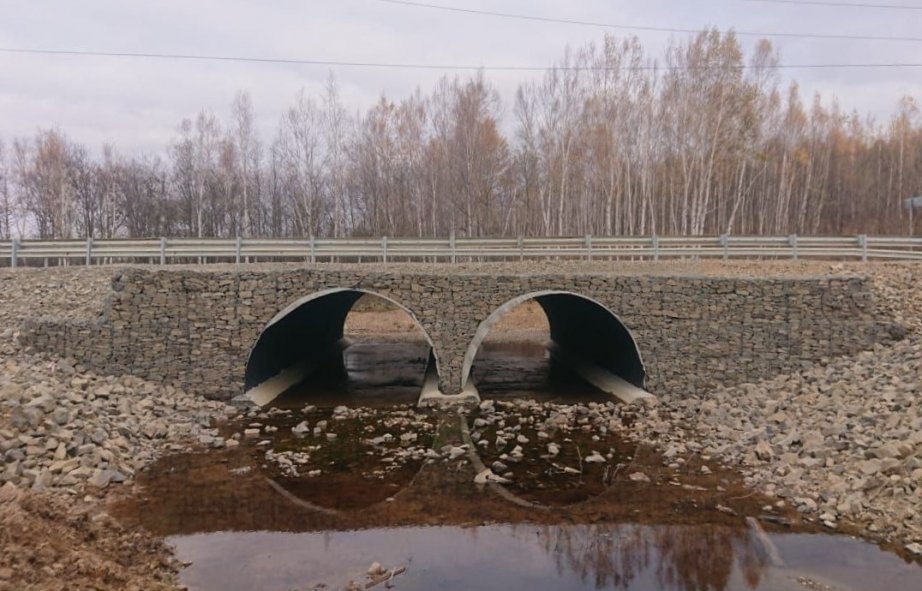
(392, 373)
(538, 558)
(242, 524)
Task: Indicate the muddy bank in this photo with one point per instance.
(50, 543)
(684, 522)
(64, 428)
(419, 468)
(840, 441)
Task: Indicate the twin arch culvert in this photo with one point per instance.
(309, 333)
(214, 330)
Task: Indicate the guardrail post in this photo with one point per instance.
(89, 251)
(451, 245)
(163, 251)
(792, 240)
(655, 247)
(237, 248)
(520, 242)
(384, 249)
(725, 243)
(589, 246)
(313, 250)
(863, 242)
(14, 252)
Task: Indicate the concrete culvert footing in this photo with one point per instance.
(307, 335)
(585, 335)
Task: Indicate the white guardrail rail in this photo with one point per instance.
(214, 250)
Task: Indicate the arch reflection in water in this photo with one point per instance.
(530, 557)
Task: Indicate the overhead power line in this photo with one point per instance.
(416, 66)
(566, 21)
(842, 4)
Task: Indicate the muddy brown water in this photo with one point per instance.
(243, 524)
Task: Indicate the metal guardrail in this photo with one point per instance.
(204, 250)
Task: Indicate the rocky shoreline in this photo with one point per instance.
(840, 441)
(69, 437)
(68, 427)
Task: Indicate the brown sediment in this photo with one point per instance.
(226, 490)
(352, 475)
(51, 542)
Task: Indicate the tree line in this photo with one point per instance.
(703, 139)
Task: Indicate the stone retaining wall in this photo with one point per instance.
(195, 327)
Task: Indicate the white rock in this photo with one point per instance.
(456, 452)
(487, 475)
(375, 569)
(595, 458)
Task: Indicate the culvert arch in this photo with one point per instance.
(307, 331)
(583, 327)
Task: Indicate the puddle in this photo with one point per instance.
(246, 488)
(553, 457)
(537, 557)
(391, 488)
(340, 458)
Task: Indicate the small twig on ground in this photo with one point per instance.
(565, 469)
(746, 496)
(385, 577)
(580, 456)
(614, 473)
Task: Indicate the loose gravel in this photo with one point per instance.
(841, 441)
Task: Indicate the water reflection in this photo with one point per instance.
(384, 373)
(240, 533)
(371, 374)
(525, 369)
(525, 556)
(684, 558)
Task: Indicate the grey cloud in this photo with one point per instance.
(137, 104)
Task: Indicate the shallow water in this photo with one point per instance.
(372, 374)
(226, 515)
(382, 374)
(505, 370)
(541, 557)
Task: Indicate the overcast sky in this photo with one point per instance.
(138, 103)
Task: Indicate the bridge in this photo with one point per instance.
(223, 330)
